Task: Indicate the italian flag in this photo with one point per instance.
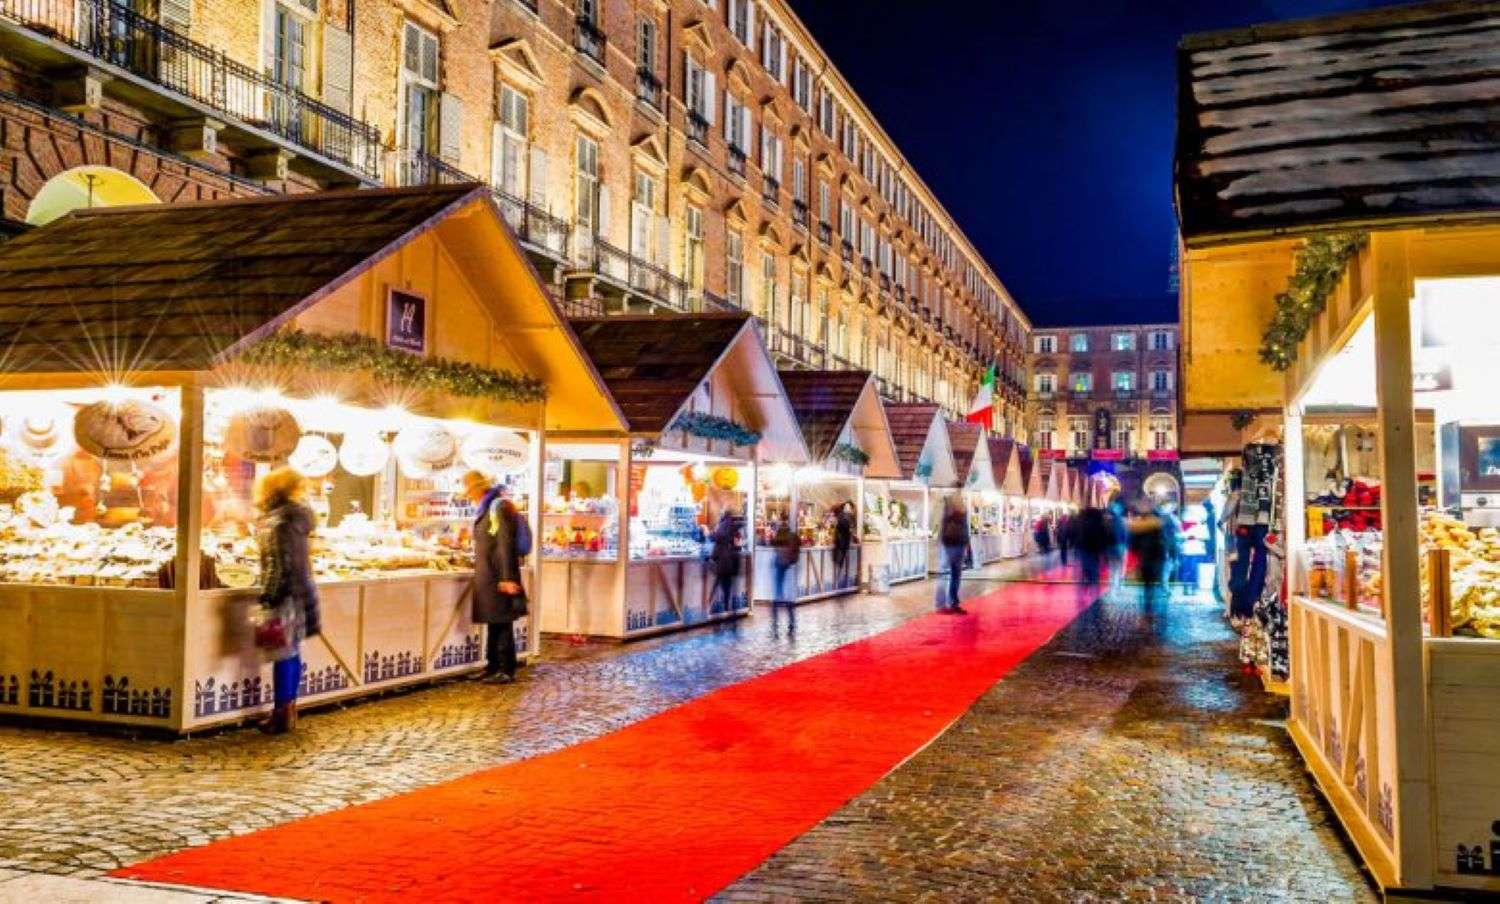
(983, 410)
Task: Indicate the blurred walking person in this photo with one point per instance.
(724, 560)
(954, 537)
(289, 600)
(787, 550)
(501, 540)
(843, 538)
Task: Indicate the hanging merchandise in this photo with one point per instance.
(494, 452)
(41, 433)
(363, 454)
(265, 435)
(314, 456)
(425, 449)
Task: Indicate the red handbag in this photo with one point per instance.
(270, 634)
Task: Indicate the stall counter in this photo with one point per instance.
(662, 593)
(816, 577)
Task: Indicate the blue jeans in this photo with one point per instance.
(779, 592)
(1247, 573)
(286, 674)
(954, 557)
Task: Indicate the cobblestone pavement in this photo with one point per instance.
(1127, 760)
(79, 804)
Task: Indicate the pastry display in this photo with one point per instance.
(39, 545)
(17, 477)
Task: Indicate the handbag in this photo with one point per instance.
(270, 631)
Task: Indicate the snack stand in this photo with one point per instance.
(985, 505)
(628, 514)
(1005, 462)
(848, 441)
(1392, 615)
(901, 517)
(382, 364)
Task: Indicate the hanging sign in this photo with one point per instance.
(406, 322)
(1108, 455)
(495, 452)
(314, 456)
(1161, 454)
(1052, 454)
(363, 454)
(425, 450)
(263, 435)
(41, 433)
(124, 431)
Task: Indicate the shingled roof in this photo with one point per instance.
(1027, 461)
(1377, 118)
(170, 287)
(910, 425)
(1000, 456)
(653, 363)
(964, 436)
(823, 401)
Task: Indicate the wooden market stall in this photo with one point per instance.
(902, 517)
(380, 342)
(848, 440)
(628, 513)
(1015, 525)
(971, 453)
(1392, 625)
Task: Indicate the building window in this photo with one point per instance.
(1046, 345)
(735, 269)
(770, 154)
(1079, 342)
(643, 217)
(799, 178)
(1124, 381)
(801, 83)
(1161, 341)
(1122, 342)
(773, 51)
(1046, 383)
(740, 20)
(1125, 437)
(508, 168)
(768, 289)
(1081, 382)
(841, 341)
(419, 89)
(1161, 435)
(1079, 427)
(698, 96)
(1161, 381)
(820, 318)
(586, 185)
(1044, 439)
(736, 123)
(693, 247)
(825, 111)
(846, 221)
(289, 48)
(645, 50)
(825, 202)
(797, 308)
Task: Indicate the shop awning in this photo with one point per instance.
(922, 443)
(1377, 118)
(658, 366)
(180, 288)
(842, 406)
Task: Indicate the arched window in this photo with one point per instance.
(84, 187)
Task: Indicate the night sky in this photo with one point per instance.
(1046, 128)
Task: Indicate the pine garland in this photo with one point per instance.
(854, 455)
(711, 426)
(359, 353)
(1319, 267)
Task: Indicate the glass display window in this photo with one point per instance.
(88, 486)
(385, 485)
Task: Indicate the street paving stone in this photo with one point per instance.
(1128, 760)
(81, 804)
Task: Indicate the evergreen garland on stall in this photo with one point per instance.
(1319, 267)
(711, 426)
(854, 455)
(356, 352)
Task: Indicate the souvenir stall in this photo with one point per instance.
(986, 507)
(848, 441)
(901, 517)
(1034, 468)
(1353, 359)
(628, 516)
(1014, 525)
(382, 369)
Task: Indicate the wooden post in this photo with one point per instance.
(1440, 603)
(621, 606)
(188, 564)
(1393, 291)
(538, 454)
(1351, 579)
(1295, 507)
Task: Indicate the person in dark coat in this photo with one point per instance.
(1064, 537)
(787, 550)
(499, 598)
(953, 534)
(724, 560)
(843, 538)
(289, 597)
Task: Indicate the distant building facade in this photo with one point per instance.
(652, 155)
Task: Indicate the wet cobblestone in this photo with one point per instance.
(82, 804)
(1126, 761)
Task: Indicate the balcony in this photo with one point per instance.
(885, 283)
(625, 278)
(847, 251)
(1081, 395)
(711, 302)
(796, 349)
(1126, 395)
(589, 39)
(825, 233)
(648, 89)
(900, 292)
(1163, 395)
(537, 229)
(163, 71)
(770, 190)
(800, 217)
(407, 167)
(736, 161)
(697, 128)
(866, 267)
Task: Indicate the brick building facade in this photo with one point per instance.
(653, 155)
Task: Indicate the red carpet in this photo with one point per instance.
(673, 808)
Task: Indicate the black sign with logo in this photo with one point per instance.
(406, 322)
(1103, 420)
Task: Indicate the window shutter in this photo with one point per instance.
(497, 155)
(785, 74)
(749, 22)
(663, 240)
(729, 134)
(450, 127)
(177, 15)
(538, 192)
(338, 75)
(603, 224)
(710, 92)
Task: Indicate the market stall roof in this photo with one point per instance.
(1057, 478)
(656, 364)
(834, 406)
(1025, 464)
(1005, 465)
(972, 455)
(1376, 118)
(922, 443)
(182, 287)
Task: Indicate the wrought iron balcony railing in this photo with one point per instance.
(825, 233)
(533, 225)
(407, 167)
(736, 161)
(770, 190)
(847, 250)
(147, 49)
(799, 213)
(589, 39)
(697, 128)
(648, 88)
